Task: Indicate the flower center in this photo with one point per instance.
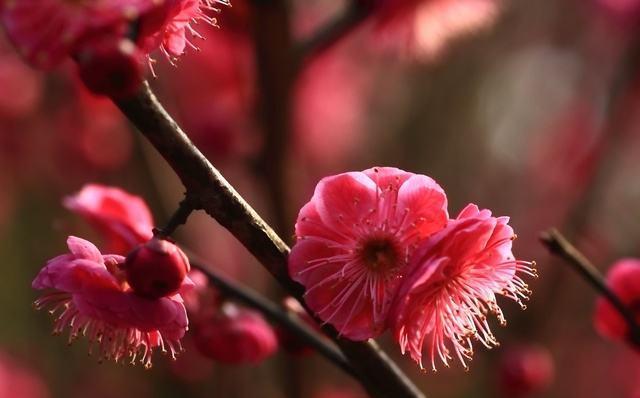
(379, 254)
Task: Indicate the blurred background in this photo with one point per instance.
(528, 108)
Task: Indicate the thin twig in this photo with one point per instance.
(275, 313)
(561, 247)
(209, 191)
(182, 213)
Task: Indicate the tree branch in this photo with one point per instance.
(208, 190)
(558, 245)
(185, 208)
(273, 312)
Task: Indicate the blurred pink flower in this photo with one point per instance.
(623, 278)
(354, 239)
(22, 87)
(525, 370)
(456, 275)
(621, 11)
(91, 135)
(90, 297)
(235, 335)
(17, 380)
(157, 268)
(424, 29)
(45, 32)
(214, 94)
(124, 219)
(334, 89)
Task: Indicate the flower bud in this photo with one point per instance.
(236, 336)
(111, 66)
(156, 269)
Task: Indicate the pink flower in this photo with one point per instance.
(22, 87)
(90, 297)
(236, 335)
(623, 278)
(456, 275)
(354, 239)
(169, 26)
(124, 219)
(424, 29)
(525, 370)
(18, 380)
(47, 31)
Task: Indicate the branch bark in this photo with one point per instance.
(208, 190)
(561, 247)
(275, 313)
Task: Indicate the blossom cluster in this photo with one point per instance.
(376, 250)
(109, 39)
(128, 307)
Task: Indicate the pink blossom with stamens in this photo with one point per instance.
(456, 274)
(354, 239)
(45, 32)
(123, 218)
(623, 278)
(169, 27)
(88, 295)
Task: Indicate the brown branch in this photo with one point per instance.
(208, 190)
(275, 313)
(178, 218)
(558, 245)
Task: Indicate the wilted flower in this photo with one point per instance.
(524, 370)
(354, 239)
(90, 296)
(456, 275)
(123, 218)
(623, 278)
(235, 335)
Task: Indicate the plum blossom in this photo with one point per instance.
(46, 32)
(123, 218)
(354, 239)
(456, 275)
(423, 29)
(169, 26)
(87, 293)
(623, 278)
(235, 335)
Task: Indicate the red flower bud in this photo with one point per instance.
(236, 336)
(111, 66)
(156, 269)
